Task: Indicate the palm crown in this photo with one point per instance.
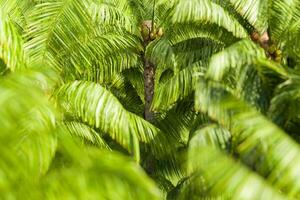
(149, 99)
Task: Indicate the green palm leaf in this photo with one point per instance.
(85, 132)
(11, 42)
(239, 55)
(283, 14)
(285, 103)
(97, 171)
(97, 107)
(175, 89)
(253, 131)
(221, 177)
(255, 11)
(27, 136)
(206, 12)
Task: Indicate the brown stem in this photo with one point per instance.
(149, 73)
(149, 76)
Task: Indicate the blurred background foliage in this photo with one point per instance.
(226, 99)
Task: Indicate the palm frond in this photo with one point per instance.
(83, 131)
(71, 40)
(97, 107)
(117, 12)
(11, 42)
(255, 11)
(285, 103)
(27, 136)
(180, 32)
(136, 78)
(253, 131)
(179, 121)
(176, 88)
(206, 12)
(214, 136)
(63, 23)
(283, 15)
(96, 176)
(97, 171)
(219, 176)
(245, 69)
(237, 56)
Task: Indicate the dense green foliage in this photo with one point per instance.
(226, 99)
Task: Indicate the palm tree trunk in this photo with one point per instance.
(149, 77)
(149, 73)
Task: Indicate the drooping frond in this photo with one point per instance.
(212, 135)
(206, 11)
(216, 176)
(92, 173)
(231, 58)
(130, 93)
(135, 77)
(70, 38)
(255, 11)
(11, 42)
(62, 25)
(179, 121)
(254, 132)
(97, 107)
(187, 31)
(285, 103)
(105, 55)
(85, 132)
(114, 12)
(175, 89)
(27, 136)
(237, 56)
(284, 14)
(162, 54)
(195, 50)
(244, 68)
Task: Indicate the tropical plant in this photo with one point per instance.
(149, 99)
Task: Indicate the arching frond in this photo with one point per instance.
(177, 88)
(179, 121)
(180, 32)
(283, 14)
(70, 39)
(63, 24)
(130, 94)
(206, 11)
(285, 104)
(104, 55)
(212, 135)
(83, 131)
(11, 42)
(218, 176)
(27, 136)
(195, 50)
(115, 12)
(99, 174)
(253, 131)
(135, 77)
(237, 56)
(255, 11)
(97, 107)
(244, 68)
